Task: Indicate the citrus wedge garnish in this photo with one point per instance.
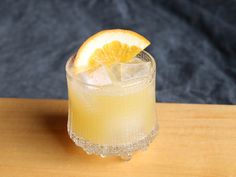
(108, 47)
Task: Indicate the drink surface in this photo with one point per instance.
(113, 106)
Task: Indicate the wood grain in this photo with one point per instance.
(193, 141)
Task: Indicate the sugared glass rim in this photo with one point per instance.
(70, 73)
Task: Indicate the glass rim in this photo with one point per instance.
(69, 71)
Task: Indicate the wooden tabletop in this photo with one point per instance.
(193, 141)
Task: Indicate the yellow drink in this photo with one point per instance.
(112, 117)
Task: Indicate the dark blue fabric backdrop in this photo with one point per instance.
(194, 43)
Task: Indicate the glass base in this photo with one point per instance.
(124, 151)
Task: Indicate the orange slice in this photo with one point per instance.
(108, 47)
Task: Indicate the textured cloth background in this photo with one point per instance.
(194, 43)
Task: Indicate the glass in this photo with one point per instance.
(112, 120)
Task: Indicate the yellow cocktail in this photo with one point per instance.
(112, 107)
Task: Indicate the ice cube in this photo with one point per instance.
(115, 72)
(98, 77)
(135, 69)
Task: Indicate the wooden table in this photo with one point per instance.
(194, 141)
